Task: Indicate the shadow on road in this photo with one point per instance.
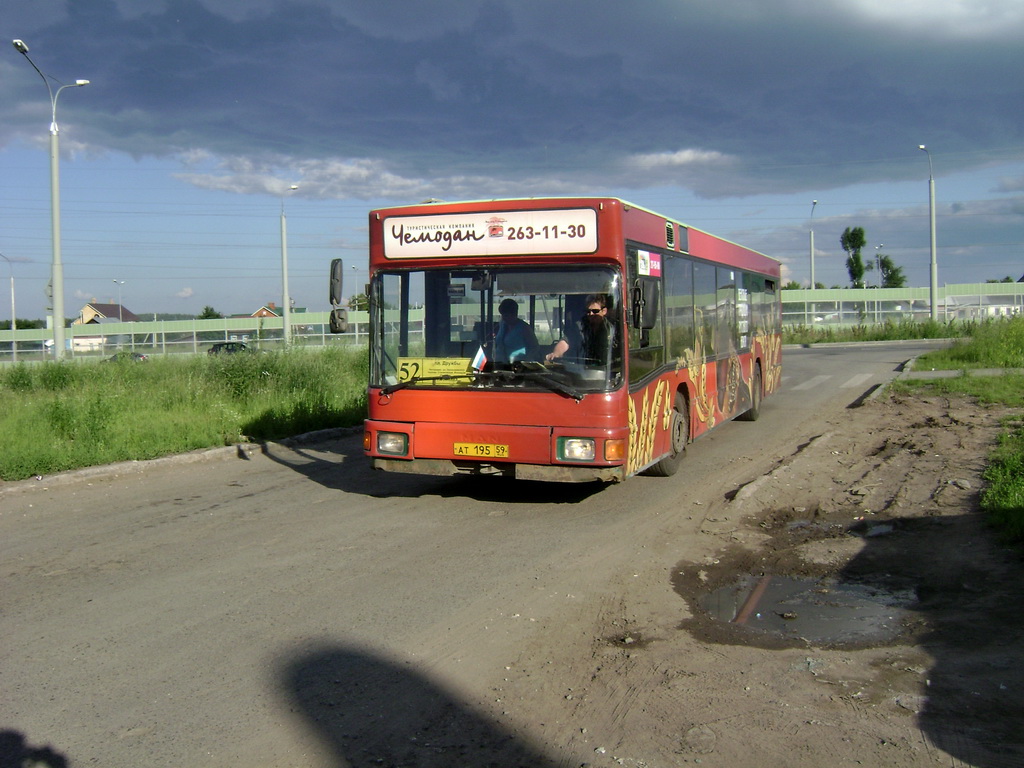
(340, 463)
(372, 712)
(967, 589)
(16, 752)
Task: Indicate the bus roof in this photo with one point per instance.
(713, 247)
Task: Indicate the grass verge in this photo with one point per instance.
(887, 331)
(62, 416)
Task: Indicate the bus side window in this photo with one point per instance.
(705, 297)
(679, 304)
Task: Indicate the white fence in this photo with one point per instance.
(871, 306)
(169, 337)
(801, 307)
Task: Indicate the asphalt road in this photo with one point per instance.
(287, 607)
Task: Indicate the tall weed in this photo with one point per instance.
(65, 415)
(996, 343)
(1003, 498)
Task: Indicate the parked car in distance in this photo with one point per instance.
(227, 348)
(124, 356)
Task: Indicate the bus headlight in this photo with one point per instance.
(577, 449)
(394, 443)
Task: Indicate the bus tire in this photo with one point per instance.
(755, 397)
(679, 430)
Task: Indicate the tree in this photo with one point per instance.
(853, 241)
(889, 275)
(792, 285)
(892, 276)
(359, 302)
(209, 313)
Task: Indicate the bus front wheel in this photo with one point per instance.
(679, 431)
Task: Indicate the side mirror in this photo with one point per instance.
(337, 279)
(646, 299)
(339, 320)
(482, 281)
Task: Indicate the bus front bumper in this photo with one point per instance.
(547, 473)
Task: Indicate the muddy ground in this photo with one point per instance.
(899, 643)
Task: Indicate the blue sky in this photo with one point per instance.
(730, 116)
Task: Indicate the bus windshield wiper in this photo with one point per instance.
(546, 380)
(390, 388)
(542, 376)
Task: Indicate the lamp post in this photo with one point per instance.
(813, 204)
(57, 268)
(120, 315)
(934, 282)
(878, 269)
(14, 316)
(287, 315)
(811, 306)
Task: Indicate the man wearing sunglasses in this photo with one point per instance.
(595, 337)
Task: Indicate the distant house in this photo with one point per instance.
(94, 312)
(272, 310)
(97, 314)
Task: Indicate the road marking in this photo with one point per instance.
(811, 383)
(856, 381)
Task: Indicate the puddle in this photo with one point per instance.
(816, 611)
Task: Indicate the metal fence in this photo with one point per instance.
(170, 337)
(800, 307)
(872, 306)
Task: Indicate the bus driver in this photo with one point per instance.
(594, 338)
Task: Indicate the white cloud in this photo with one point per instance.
(682, 157)
(184, 293)
(955, 18)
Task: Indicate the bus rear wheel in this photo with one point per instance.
(679, 431)
(755, 397)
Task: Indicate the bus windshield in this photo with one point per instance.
(530, 328)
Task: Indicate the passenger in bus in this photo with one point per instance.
(590, 340)
(515, 339)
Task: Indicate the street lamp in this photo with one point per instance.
(57, 269)
(934, 283)
(120, 315)
(14, 316)
(287, 315)
(878, 269)
(813, 204)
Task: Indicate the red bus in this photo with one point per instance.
(631, 335)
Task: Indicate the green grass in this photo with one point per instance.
(887, 331)
(66, 415)
(1003, 497)
(989, 344)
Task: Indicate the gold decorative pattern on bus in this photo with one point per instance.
(655, 412)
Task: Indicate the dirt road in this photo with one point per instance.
(515, 627)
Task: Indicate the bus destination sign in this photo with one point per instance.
(494, 233)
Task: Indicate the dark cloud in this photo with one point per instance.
(541, 91)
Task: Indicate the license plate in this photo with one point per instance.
(481, 450)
